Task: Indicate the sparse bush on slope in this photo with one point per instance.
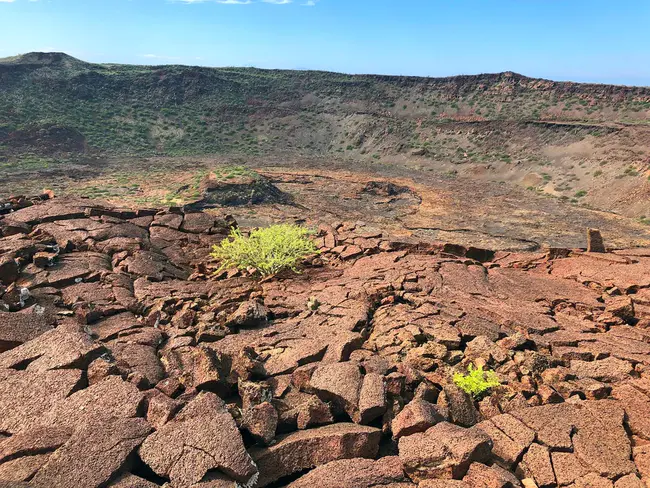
(269, 250)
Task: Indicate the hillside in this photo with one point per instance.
(582, 143)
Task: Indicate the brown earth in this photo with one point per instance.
(404, 201)
(125, 362)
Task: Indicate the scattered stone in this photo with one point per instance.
(261, 421)
(339, 383)
(104, 445)
(310, 448)
(372, 398)
(355, 473)
(444, 451)
(202, 437)
(417, 416)
(249, 314)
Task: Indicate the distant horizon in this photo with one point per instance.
(582, 41)
(152, 65)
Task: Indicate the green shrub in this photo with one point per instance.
(476, 382)
(268, 250)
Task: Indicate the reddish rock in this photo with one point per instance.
(536, 464)
(417, 416)
(101, 368)
(621, 307)
(104, 445)
(110, 398)
(595, 241)
(22, 469)
(249, 314)
(510, 438)
(482, 476)
(629, 481)
(339, 383)
(261, 421)
(372, 398)
(202, 437)
(310, 448)
(64, 347)
(355, 473)
(444, 451)
(459, 405)
(9, 270)
(129, 480)
(20, 327)
(351, 252)
(26, 396)
(161, 409)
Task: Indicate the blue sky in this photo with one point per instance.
(596, 40)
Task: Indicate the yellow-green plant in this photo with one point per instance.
(268, 250)
(476, 382)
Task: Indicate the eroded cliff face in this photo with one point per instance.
(125, 361)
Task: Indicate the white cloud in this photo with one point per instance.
(7, 1)
(310, 3)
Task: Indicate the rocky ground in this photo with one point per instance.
(126, 362)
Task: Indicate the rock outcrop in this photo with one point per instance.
(126, 362)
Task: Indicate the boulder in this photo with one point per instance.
(339, 383)
(444, 451)
(310, 448)
(417, 416)
(355, 473)
(202, 437)
(95, 452)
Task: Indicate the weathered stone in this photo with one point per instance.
(9, 270)
(629, 481)
(482, 476)
(64, 347)
(161, 409)
(104, 446)
(444, 451)
(459, 406)
(249, 314)
(608, 370)
(20, 327)
(110, 398)
(129, 480)
(355, 473)
(202, 437)
(261, 421)
(510, 438)
(536, 464)
(417, 416)
(26, 396)
(372, 398)
(621, 307)
(595, 241)
(339, 383)
(310, 448)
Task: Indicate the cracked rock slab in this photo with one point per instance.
(202, 437)
(93, 454)
(310, 448)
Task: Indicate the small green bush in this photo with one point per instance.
(476, 382)
(269, 250)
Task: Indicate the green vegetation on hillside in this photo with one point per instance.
(180, 110)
